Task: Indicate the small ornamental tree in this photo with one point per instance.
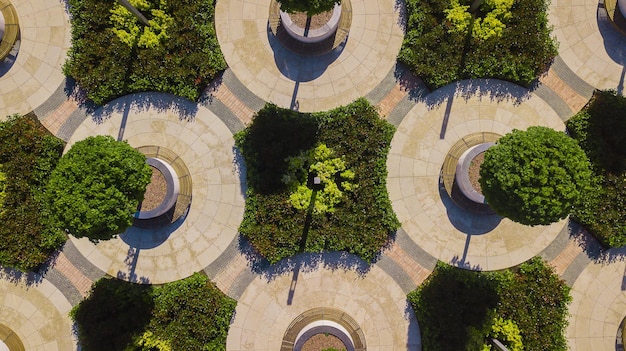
(96, 187)
(535, 176)
(311, 7)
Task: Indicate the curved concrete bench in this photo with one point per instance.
(11, 28)
(313, 35)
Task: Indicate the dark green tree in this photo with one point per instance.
(311, 7)
(535, 176)
(96, 187)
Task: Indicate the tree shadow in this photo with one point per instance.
(16, 276)
(239, 167)
(132, 257)
(113, 314)
(414, 337)
(493, 90)
(142, 102)
(466, 221)
(149, 238)
(592, 246)
(300, 68)
(614, 41)
(304, 262)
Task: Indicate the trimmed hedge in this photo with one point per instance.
(96, 188)
(536, 176)
(439, 54)
(599, 127)
(190, 314)
(28, 155)
(458, 309)
(182, 64)
(360, 223)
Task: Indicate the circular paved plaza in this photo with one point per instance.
(418, 149)
(375, 302)
(36, 311)
(36, 71)
(319, 83)
(207, 147)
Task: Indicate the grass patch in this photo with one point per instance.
(113, 55)
(28, 155)
(459, 309)
(437, 50)
(360, 222)
(190, 314)
(599, 127)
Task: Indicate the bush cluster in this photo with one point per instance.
(181, 59)
(599, 130)
(96, 187)
(28, 155)
(190, 314)
(535, 176)
(362, 220)
(311, 7)
(520, 48)
(459, 309)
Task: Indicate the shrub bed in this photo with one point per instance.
(179, 54)
(599, 127)
(190, 314)
(28, 155)
(442, 44)
(524, 307)
(360, 222)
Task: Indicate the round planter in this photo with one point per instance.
(462, 172)
(324, 327)
(314, 35)
(171, 195)
(9, 341)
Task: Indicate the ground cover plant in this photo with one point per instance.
(525, 308)
(96, 187)
(599, 127)
(114, 54)
(348, 211)
(537, 176)
(450, 40)
(311, 7)
(190, 314)
(28, 154)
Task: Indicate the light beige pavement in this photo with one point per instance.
(206, 145)
(588, 44)
(271, 71)
(418, 149)
(36, 311)
(36, 73)
(377, 304)
(599, 305)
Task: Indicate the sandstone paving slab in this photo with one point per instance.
(36, 311)
(598, 304)
(206, 146)
(318, 83)
(418, 149)
(374, 300)
(588, 43)
(36, 71)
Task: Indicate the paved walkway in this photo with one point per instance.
(30, 78)
(309, 83)
(428, 124)
(36, 311)
(206, 146)
(418, 149)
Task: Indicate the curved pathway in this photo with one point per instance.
(30, 78)
(36, 311)
(206, 146)
(588, 43)
(418, 149)
(318, 83)
(270, 303)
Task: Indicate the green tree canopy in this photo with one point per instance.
(97, 186)
(311, 7)
(535, 176)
